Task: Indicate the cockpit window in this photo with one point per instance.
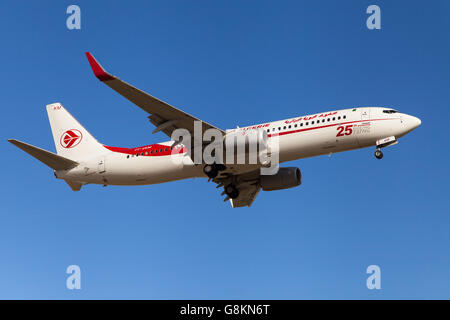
(390, 111)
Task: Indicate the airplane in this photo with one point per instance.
(81, 159)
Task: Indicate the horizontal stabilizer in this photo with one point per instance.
(49, 158)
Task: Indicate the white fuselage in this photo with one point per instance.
(301, 137)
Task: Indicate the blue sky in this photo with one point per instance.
(229, 63)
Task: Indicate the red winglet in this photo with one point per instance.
(99, 72)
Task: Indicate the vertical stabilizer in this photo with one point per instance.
(72, 140)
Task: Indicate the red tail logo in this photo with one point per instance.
(71, 138)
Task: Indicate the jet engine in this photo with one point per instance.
(285, 178)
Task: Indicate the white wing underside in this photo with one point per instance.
(246, 197)
(247, 183)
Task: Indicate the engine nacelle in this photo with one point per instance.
(284, 179)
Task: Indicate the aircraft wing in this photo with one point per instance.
(246, 196)
(247, 183)
(165, 117)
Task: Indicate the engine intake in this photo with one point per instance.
(284, 179)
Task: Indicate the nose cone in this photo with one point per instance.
(411, 123)
(414, 122)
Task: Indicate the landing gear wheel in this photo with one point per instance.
(378, 154)
(210, 170)
(231, 191)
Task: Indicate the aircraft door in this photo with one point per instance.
(101, 165)
(365, 113)
(363, 128)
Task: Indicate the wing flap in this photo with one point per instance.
(246, 196)
(247, 184)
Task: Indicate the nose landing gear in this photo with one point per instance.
(378, 154)
(383, 143)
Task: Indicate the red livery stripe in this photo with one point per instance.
(148, 151)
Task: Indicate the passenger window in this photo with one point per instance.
(334, 118)
(128, 156)
(165, 149)
(328, 119)
(142, 153)
(345, 117)
(284, 128)
(295, 126)
(312, 122)
(339, 118)
(151, 152)
(306, 123)
(156, 150)
(279, 128)
(146, 153)
(289, 127)
(323, 120)
(301, 124)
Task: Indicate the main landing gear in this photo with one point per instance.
(378, 154)
(212, 170)
(231, 191)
